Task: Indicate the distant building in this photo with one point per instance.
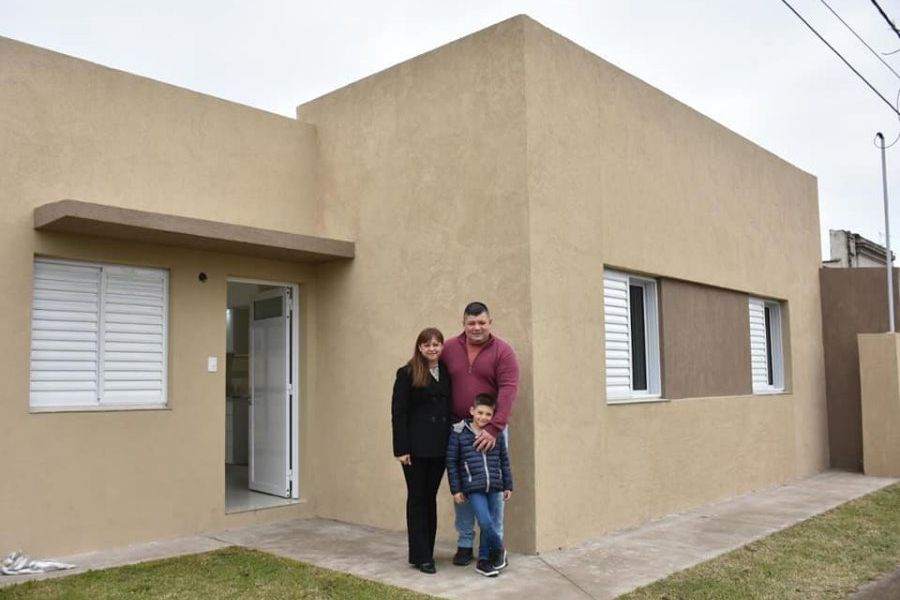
(850, 249)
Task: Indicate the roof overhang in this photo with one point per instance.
(87, 218)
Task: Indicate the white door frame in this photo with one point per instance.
(295, 374)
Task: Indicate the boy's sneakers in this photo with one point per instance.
(484, 567)
(498, 559)
(462, 557)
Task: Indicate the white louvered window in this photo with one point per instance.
(766, 358)
(631, 326)
(98, 335)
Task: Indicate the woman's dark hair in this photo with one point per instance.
(418, 365)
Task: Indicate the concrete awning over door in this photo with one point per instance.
(86, 218)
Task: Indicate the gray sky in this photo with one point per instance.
(752, 66)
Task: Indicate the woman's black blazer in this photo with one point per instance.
(421, 416)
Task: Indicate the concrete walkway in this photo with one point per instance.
(601, 569)
(886, 588)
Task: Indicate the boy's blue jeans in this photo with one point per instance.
(483, 506)
(465, 515)
(465, 518)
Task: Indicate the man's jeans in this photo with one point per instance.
(484, 505)
(465, 514)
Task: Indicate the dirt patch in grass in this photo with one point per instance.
(230, 573)
(826, 557)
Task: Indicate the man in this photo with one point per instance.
(480, 363)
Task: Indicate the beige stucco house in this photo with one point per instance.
(168, 255)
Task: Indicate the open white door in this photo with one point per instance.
(270, 392)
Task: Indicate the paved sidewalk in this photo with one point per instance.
(886, 588)
(600, 569)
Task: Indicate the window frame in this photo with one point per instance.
(102, 311)
(650, 288)
(774, 345)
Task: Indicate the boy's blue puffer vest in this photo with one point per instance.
(469, 470)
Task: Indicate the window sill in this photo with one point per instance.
(636, 400)
(770, 392)
(79, 409)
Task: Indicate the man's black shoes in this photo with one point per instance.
(462, 557)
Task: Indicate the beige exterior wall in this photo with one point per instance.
(879, 375)
(423, 166)
(71, 129)
(77, 130)
(510, 167)
(621, 175)
(607, 171)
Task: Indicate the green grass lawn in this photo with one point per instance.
(228, 573)
(826, 557)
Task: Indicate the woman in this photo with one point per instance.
(420, 413)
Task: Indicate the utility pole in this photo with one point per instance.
(888, 259)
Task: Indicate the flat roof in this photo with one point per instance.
(87, 218)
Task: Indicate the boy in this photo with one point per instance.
(482, 478)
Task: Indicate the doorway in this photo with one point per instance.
(261, 402)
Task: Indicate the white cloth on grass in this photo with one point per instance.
(17, 563)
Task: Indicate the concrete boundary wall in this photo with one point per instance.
(879, 370)
(854, 301)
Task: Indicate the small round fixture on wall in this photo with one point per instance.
(202, 277)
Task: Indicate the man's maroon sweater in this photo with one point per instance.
(494, 371)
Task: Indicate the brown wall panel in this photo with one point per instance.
(705, 341)
(853, 301)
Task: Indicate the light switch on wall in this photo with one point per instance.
(212, 364)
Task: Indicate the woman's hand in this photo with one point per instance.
(506, 495)
(406, 459)
(459, 498)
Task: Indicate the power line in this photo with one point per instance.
(886, 18)
(858, 74)
(838, 17)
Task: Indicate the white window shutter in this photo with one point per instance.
(65, 316)
(758, 350)
(134, 336)
(617, 328)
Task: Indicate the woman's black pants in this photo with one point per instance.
(423, 478)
